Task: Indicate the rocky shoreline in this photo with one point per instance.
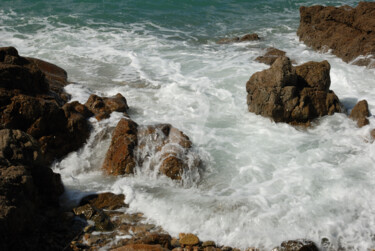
(39, 125)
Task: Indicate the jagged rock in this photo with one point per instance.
(360, 113)
(107, 201)
(348, 32)
(297, 245)
(120, 159)
(294, 95)
(101, 220)
(188, 239)
(157, 146)
(102, 107)
(27, 186)
(270, 56)
(247, 37)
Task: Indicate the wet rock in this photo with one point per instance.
(101, 220)
(270, 56)
(140, 247)
(175, 243)
(294, 95)
(247, 37)
(107, 201)
(208, 244)
(120, 159)
(102, 107)
(348, 32)
(297, 245)
(360, 113)
(188, 239)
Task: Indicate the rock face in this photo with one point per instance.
(27, 184)
(294, 95)
(160, 147)
(245, 38)
(360, 113)
(348, 32)
(32, 100)
(270, 56)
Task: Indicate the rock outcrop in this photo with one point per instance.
(360, 113)
(160, 147)
(28, 187)
(348, 32)
(102, 107)
(244, 38)
(32, 100)
(294, 95)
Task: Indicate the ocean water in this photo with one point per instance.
(262, 183)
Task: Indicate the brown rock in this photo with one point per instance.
(172, 167)
(120, 155)
(140, 247)
(360, 113)
(348, 32)
(102, 107)
(107, 201)
(208, 244)
(294, 95)
(298, 245)
(188, 239)
(270, 56)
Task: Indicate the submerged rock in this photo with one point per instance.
(102, 107)
(360, 113)
(160, 146)
(270, 56)
(294, 95)
(348, 32)
(245, 38)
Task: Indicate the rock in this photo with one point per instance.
(270, 56)
(188, 239)
(28, 187)
(298, 245)
(102, 107)
(107, 201)
(155, 146)
(208, 244)
(360, 113)
(140, 247)
(245, 38)
(101, 220)
(294, 95)
(348, 32)
(175, 243)
(120, 159)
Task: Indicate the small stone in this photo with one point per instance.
(175, 243)
(188, 239)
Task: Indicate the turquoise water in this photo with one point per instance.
(263, 183)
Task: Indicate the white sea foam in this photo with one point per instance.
(264, 182)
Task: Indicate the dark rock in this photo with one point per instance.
(245, 38)
(140, 247)
(298, 245)
(107, 201)
(101, 220)
(294, 95)
(348, 32)
(270, 56)
(120, 159)
(360, 113)
(102, 107)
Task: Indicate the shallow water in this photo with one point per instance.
(263, 183)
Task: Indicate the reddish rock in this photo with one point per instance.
(360, 113)
(270, 56)
(120, 159)
(172, 167)
(247, 37)
(348, 32)
(102, 107)
(107, 201)
(294, 95)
